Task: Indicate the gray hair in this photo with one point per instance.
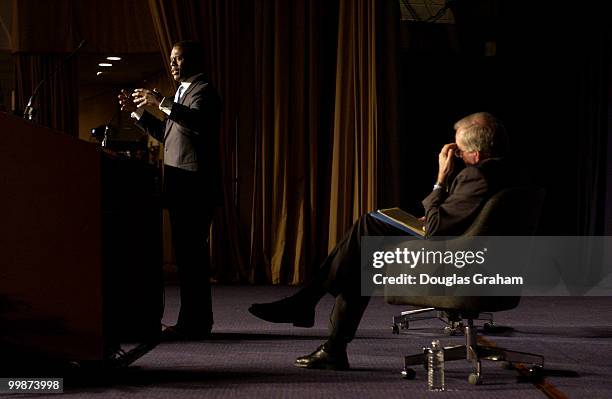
(485, 133)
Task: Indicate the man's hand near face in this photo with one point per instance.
(446, 162)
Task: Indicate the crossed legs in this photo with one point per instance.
(340, 276)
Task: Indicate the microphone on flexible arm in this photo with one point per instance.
(30, 112)
(103, 132)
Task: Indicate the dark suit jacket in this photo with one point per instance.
(451, 213)
(190, 134)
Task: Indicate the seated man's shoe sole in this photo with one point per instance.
(274, 313)
(322, 366)
(320, 359)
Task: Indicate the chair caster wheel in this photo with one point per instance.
(474, 379)
(408, 374)
(395, 329)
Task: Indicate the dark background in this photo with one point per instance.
(549, 82)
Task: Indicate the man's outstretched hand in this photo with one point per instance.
(125, 100)
(144, 97)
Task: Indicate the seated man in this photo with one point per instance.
(481, 142)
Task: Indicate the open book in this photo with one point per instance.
(400, 219)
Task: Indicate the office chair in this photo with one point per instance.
(511, 212)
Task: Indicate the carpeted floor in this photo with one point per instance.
(249, 358)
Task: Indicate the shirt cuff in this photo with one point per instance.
(137, 114)
(166, 105)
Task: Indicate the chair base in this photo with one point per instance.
(531, 364)
(452, 327)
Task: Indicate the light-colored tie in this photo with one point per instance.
(179, 93)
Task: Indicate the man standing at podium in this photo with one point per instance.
(192, 186)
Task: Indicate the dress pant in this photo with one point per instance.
(191, 214)
(340, 275)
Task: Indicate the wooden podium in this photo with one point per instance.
(68, 278)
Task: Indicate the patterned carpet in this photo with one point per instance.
(249, 358)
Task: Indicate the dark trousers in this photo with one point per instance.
(191, 214)
(340, 275)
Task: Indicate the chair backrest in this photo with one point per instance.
(513, 211)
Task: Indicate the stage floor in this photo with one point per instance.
(250, 358)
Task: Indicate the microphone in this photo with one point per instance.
(107, 129)
(30, 112)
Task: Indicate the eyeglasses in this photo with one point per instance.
(458, 153)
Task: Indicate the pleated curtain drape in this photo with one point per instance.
(354, 168)
(364, 166)
(290, 137)
(56, 102)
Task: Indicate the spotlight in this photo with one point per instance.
(113, 58)
(105, 64)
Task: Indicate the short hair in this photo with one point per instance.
(485, 133)
(193, 51)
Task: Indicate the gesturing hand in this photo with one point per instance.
(144, 97)
(126, 101)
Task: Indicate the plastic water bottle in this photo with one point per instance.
(435, 367)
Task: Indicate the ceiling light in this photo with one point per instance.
(105, 64)
(98, 73)
(113, 58)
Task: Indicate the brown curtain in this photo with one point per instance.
(355, 134)
(365, 113)
(114, 26)
(301, 123)
(57, 100)
(37, 54)
(109, 26)
(294, 71)
(43, 26)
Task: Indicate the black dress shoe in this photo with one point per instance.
(120, 358)
(287, 310)
(324, 358)
(177, 333)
